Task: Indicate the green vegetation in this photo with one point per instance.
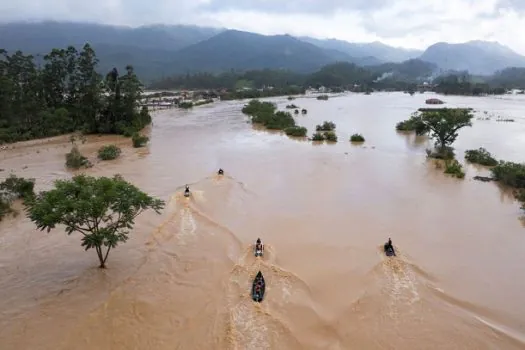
(65, 94)
(139, 140)
(357, 138)
(186, 105)
(292, 106)
(75, 160)
(108, 152)
(265, 113)
(102, 209)
(330, 136)
(261, 93)
(322, 97)
(14, 188)
(296, 131)
(318, 136)
(509, 174)
(414, 123)
(480, 156)
(326, 126)
(454, 168)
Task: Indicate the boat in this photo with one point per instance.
(258, 295)
(389, 250)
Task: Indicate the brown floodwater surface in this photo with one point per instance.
(183, 279)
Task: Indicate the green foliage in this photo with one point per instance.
(65, 94)
(445, 153)
(414, 123)
(326, 126)
(519, 195)
(14, 188)
(330, 136)
(509, 174)
(357, 138)
(264, 113)
(186, 105)
(109, 152)
(296, 131)
(318, 136)
(292, 106)
(480, 156)
(139, 140)
(444, 124)
(102, 209)
(322, 97)
(75, 159)
(454, 168)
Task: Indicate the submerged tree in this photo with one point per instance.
(102, 209)
(443, 125)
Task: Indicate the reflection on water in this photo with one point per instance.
(183, 280)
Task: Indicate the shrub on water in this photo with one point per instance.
(75, 159)
(330, 136)
(445, 153)
(108, 152)
(322, 97)
(296, 131)
(454, 168)
(480, 156)
(139, 140)
(326, 126)
(357, 138)
(317, 137)
(509, 174)
(18, 186)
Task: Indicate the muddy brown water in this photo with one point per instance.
(182, 281)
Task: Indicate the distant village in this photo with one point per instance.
(187, 98)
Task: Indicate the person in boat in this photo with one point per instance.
(389, 246)
(258, 290)
(187, 191)
(220, 172)
(259, 246)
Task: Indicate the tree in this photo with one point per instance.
(443, 124)
(102, 209)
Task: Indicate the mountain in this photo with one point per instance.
(233, 49)
(375, 49)
(476, 57)
(41, 37)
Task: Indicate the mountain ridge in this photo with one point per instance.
(160, 50)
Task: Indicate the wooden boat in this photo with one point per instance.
(258, 287)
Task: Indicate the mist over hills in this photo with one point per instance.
(162, 50)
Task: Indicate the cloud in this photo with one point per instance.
(405, 23)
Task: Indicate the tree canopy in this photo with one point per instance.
(102, 209)
(62, 92)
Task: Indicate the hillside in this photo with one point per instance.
(239, 50)
(476, 57)
(381, 52)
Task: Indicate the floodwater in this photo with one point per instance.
(182, 281)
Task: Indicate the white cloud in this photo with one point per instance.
(405, 23)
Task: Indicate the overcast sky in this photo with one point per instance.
(406, 23)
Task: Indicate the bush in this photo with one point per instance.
(18, 187)
(330, 136)
(297, 131)
(186, 105)
(519, 195)
(357, 138)
(264, 113)
(414, 123)
(14, 188)
(139, 140)
(480, 156)
(108, 152)
(454, 168)
(326, 126)
(322, 97)
(317, 137)
(75, 159)
(446, 153)
(292, 106)
(509, 174)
